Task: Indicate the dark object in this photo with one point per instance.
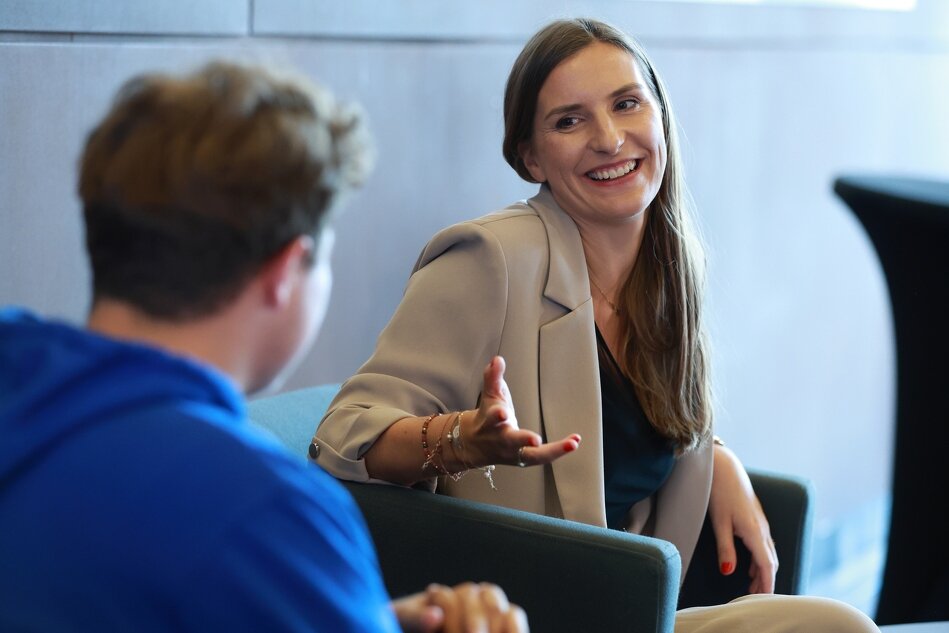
(908, 222)
(568, 576)
(787, 504)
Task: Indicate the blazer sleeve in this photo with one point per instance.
(431, 356)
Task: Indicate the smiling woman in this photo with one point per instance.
(598, 138)
(587, 117)
(627, 118)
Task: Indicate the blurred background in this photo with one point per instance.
(775, 98)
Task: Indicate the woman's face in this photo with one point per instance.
(598, 137)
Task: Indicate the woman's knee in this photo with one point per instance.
(832, 616)
(791, 614)
(776, 614)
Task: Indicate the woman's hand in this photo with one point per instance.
(417, 448)
(492, 435)
(735, 511)
(466, 608)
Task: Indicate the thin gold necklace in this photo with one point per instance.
(597, 286)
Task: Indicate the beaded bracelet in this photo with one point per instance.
(430, 455)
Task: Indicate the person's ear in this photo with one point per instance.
(286, 269)
(526, 151)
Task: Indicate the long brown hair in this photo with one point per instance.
(664, 348)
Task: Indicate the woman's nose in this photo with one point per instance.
(606, 137)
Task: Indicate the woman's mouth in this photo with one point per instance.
(614, 172)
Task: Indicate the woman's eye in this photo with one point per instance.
(627, 104)
(567, 122)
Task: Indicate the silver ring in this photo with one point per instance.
(520, 457)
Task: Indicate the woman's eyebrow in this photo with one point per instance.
(562, 109)
(630, 87)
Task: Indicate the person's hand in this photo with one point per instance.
(466, 608)
(477, 608)
(492, 436)
(735, 511)
(417, 614)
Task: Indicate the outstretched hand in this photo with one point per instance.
(466, 608)
(734, 510)
(493, 435)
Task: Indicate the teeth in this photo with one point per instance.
(610, 174)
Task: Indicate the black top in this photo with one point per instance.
(636, 459)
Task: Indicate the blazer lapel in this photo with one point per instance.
(569, 374)
(569, 400)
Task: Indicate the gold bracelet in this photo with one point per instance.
(455, 439)
(455, 476)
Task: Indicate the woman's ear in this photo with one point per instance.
(526, 152)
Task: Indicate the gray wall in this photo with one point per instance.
(774, 102)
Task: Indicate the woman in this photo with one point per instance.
(591, 292)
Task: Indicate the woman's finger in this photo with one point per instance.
(500, 414)
(725, 542)
(515, 439)
(494, 387)
(763, 562)
(546, 453)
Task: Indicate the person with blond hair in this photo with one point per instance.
(134, 492)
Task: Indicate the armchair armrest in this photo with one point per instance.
(292, 417)
(567, 576)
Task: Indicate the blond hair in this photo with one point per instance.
(190, 184)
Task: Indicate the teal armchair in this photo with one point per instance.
(567, 576)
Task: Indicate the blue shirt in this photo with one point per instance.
(134, 495)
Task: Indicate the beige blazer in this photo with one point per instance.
(512, 283)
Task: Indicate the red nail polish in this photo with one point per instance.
(727, 568)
